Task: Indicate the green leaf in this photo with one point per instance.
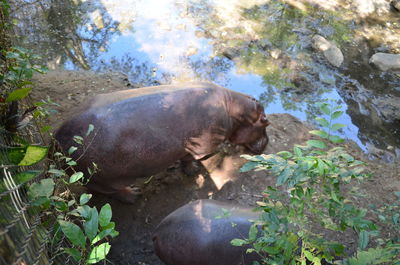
(249, 166)
(336, 114)
(285, 154)
(73, 233)
(60, 205)
(337, 248)
(73, 252)
(90, 129)
(16, 154)
(348, 157)
(71, 163)
(316, 143)
(98, 253)
(325, 109)
(319, 133)
(373, 256)
(395, 218)
(72, 149)
(337, 126)
(297, 151)
(84, 211)
(75, 177)
(101, 235)
(238, 242)
(26, 176)
(84, 198)
(253, 232)
(78, 139)
(335, 139)
(283, 176)
(41, 201)
(107, 232)
(92, 224)
(105, 215)
(18, 94)
(322, 121)
(33, 155)
(57, 172)
(308, 255)
(363, 239)
(44, 188)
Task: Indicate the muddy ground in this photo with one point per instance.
(219, 179)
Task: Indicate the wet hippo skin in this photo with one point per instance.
(192, 235)
(140, 132)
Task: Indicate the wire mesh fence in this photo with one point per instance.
(26, 231)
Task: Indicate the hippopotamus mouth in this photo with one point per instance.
(258, 146)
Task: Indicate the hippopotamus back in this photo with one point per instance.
(199, 233)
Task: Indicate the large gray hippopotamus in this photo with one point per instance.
(195, 234)
(140, 132)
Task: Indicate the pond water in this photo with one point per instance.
(258, 47)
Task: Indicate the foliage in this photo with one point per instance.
(309, 194)
(20, 66)
(85, 227)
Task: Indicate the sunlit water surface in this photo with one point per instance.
(258, 47)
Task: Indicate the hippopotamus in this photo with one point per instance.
(199, 233)
(141, 132)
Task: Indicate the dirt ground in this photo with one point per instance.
(219, 179)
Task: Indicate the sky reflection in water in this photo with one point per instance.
(228, 42)
(163, 36)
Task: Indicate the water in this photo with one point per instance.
(258, 47)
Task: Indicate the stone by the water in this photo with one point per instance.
(386, 61)
(331, 52)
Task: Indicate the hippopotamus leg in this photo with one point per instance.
(190, 166)
(125, 194)
(128, 194)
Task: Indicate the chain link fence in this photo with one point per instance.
(26, 231)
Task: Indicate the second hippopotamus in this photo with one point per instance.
(200, 232)
(140, 132)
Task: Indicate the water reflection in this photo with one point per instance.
(260, 47)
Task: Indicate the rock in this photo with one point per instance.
(377, 153)
(367, 7)
(319, 43)
(331, 52)
(387, 107)
(334, 55)
(395, 4)
(386, 61)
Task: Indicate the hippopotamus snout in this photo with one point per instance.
(195, 235)
(258, 146)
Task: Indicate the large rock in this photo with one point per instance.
(386, 61)
(388, 107)
(395, 4)
(331, 52)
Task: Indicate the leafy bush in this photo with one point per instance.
(86, 228)
(310, 193)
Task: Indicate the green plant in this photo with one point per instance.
(308, 195)
(86, 228)
(20, 69)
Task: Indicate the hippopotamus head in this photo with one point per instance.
(251, 122)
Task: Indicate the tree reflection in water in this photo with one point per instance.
(269, 39)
